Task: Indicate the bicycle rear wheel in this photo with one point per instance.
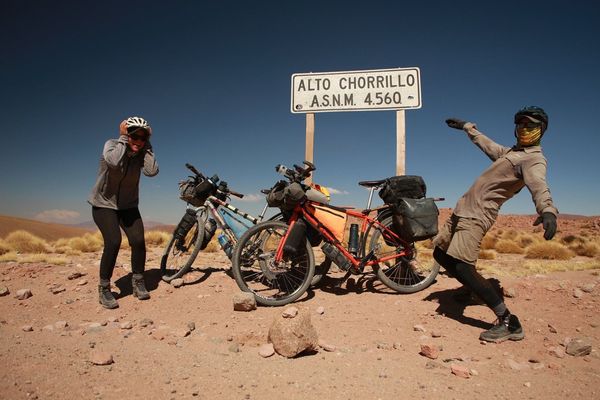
(256, 271)
(180, 254)
(403, 274)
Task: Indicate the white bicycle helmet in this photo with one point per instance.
(135, 123)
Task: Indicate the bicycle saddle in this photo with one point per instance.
(371, 183)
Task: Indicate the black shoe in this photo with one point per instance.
(139, 287)
(105, 296)
(507, 328)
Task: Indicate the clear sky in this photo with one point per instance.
(213, 80)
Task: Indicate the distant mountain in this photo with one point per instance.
(44, 230)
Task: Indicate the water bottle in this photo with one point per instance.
(353, 239)
(225, 244)
(336, 256)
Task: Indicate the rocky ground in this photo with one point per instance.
(188, 342)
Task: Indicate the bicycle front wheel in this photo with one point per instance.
(256, 271)
(407, 274)
(180, 253)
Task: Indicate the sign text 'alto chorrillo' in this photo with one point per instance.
(382, 89)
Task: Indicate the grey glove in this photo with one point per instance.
(456, 123)
(548, 221)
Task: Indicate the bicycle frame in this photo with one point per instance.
(303, 210)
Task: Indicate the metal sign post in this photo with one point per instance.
(394, 89)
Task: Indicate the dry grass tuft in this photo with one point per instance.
(489, 242)
(212, 246)
(25, 242)
(8, 257)
(88, 243)
(487, 254)
(4, 247)
(157, 238)
(549, 251)
(588, 249)
(43, 258)
(508, 246)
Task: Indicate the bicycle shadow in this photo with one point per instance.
(453, 302)
(152, 277)
(357, 284)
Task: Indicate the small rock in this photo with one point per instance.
(244, 301)
(418, 328)
(234, 348)
(326, 346)
(181, 333)
(588, 287)
(57, 289)
(75, 275)
(82, 282)
(48, 328)
(320, 310)
(113, 319)
(290, 312)
(460, 370)
(384, 346)
(527, 384)
(474, 372)
(430, 364)
(145, 322)
(61, 324)
(509, 292)
(27, 328)
(436, 334)
(430, 351)
(577, 293)
(517, 366)
(552, 329)
(23, 294)
(266, 350)
(579, 347)
(191, 326)
(101, 358)
(4, 291)
(178, 282)
(94, 328)
(556, 351)
(126, 325)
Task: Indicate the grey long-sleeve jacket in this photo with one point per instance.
(512, 168)
(117, 184)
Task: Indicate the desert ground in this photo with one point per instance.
(188, 342)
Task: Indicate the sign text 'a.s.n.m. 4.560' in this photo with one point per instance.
(370, 90)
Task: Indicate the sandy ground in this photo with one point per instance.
(374, 333)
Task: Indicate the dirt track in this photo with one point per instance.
(376, 352)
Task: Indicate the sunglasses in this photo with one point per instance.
(138, 138)
(528, 124)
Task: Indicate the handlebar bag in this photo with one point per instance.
(404, 186)
(292, 195)
(187, 192)
(415, 219)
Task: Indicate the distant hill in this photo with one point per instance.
(148, 225)
(44, 230)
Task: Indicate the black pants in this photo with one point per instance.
(109, 221)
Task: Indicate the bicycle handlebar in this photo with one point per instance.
(194, 170)
(222, 188)
(298, 174)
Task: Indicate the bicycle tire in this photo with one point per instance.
(255, 272)
(400, 274)
(180, 258)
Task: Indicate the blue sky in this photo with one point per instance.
(213, 79)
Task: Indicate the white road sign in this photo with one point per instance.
(381, 89)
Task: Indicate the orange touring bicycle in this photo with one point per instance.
(264, 266)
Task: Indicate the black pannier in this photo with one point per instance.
(415, 219)
(404, 186)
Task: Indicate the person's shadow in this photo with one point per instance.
(151, 278)
(453, 302)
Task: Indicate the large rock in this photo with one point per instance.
(99, 357)
(244, 301)
(292, 336)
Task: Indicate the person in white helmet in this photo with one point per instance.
(114, 201)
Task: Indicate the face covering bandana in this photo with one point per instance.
(529, 136)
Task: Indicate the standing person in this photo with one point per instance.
(114, 201)
(458, 242)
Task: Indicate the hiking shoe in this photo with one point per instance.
(105, 296)
(139, 287)
(507, 328)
